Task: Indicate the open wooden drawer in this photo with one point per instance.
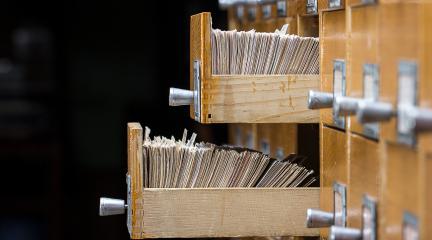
(208, 212)
(240, 98)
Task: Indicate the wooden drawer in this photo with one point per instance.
(246, 98)
(334, 166)
(333, 47)
(212, 212)
(397, 18)
(400, 189)
(362, 48)
(365, 176)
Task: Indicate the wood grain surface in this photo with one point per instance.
(332, 46)
(227, 212)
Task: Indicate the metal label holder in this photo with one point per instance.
(266, 11)
(339, 89)
(340, 204)
(312, 6)
(240, 12)
(250, 141)
(265, 146)
(129, 203)
(371, 93)
(197, 89)
(335, 4)
(410, 227)
(280, 154)
(369, 218)
(252, 11)
(407, 100)
(238, 137)
(281, 8)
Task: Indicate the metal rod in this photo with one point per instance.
(371, 111)
(342, 233)
(317, 100)
(345, 106)
(180, 97)
(318, 219)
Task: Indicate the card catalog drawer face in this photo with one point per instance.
(364, 54)
(394, 19)
(364, 170)
(333, 168)
(333, 42)
(401, 189)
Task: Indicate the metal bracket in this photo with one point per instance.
(280, 154)
(410, 228)
(339, 89)
(371, 93)
(312, 6)
(240, 12)
(266, 11)
(265, 146)
(369, 218)
(129, 203)
(281, 8)
(407, 100)
(252, 10)
(197, 89)
(335, 3)
(250, 141)
(340, 204)
(369, 1)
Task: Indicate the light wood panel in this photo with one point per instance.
(258, 99)
(401, 188)
(365, 176)
(334, 166)
(226, 212)
(362, 48)
(332, 46)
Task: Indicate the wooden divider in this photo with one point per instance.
(247, 98)
(213, 212)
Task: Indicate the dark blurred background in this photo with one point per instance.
(72, 74)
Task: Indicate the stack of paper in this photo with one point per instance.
(171, 163)
(253, 52)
